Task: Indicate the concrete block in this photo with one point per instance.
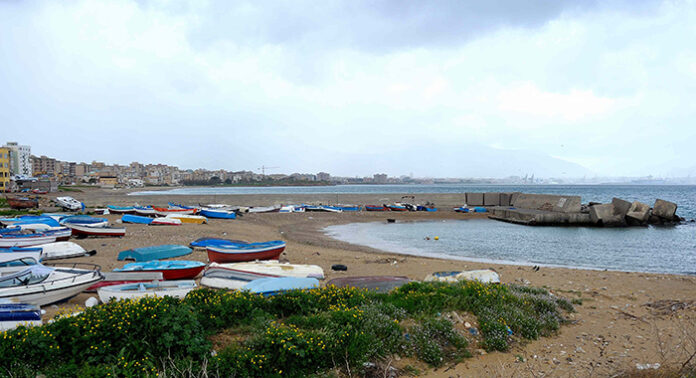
(547, 202)
(474, 199)
(639, 212)
(664, 209)
(491, 199)
(505, 199)
(603, 215)
(621, 207)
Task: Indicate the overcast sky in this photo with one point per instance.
(355, 87)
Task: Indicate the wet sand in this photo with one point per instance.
(613, 329)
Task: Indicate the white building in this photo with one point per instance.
(20, 159)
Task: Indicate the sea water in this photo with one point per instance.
(636, 249)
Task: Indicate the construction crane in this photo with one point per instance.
(264, 168)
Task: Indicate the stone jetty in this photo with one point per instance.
(556, 210)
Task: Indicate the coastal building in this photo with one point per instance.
(45, 166)
(379, 178)
(20, 159)
(323, 176)
(4, 169)
(107, 181)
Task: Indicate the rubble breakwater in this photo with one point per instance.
(562, 210)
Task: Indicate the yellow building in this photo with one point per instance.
(4, 169)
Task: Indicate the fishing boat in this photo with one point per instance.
(121, 209)
(270, 250)
(191, 219)
(376, 208)
(177, 289)
(155, 252)
(16, 256)
(429, 208)
(204, 242)
(63, 250)
(277, 285)
(165, 221)
(144, 210)
(397, 207)
(171, 270)
(218, 213)
(13, 315)
(264, 209)
(344, 207)
(60, 233)
(86, 231)
(461, 209)
(25, 240)
(483, 276)
(22, 202)
(39, 191)
(292, 209)
(161, 211)
(36, 223)
(118, 278)
(42, 284)
(381, 284)
(236, 275)
(84, 220)
(129, 218)
(325, 208)
(68, 203)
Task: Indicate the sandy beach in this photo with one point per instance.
(621, 319)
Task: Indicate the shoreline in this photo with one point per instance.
(600, 339)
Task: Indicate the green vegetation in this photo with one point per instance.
(14, 213)
(3, 202)
(302, 332)
(75, 188)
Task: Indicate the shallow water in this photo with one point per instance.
(649, 249)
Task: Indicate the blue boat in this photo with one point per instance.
(120, 209)
(179, 206)
(205, 242)
(425, 208)
(348, 207)
(10, 230)
(84, 220)
(13, 315)
(277, 285)
(48, 221)
(218, 214)
(479, 209)
(130, 218)
(155, 252)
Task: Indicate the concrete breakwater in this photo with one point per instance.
(559, 210)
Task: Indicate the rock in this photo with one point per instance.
(621, 207)
(639, 212)
(603, 215)
(654, 219)
(664, 209)
(339, 267)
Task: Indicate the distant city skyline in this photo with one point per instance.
(442, 89)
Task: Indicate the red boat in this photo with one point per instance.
(171, 270)
(84, 231)
(375, 208)
(245, 252)
(22, 203)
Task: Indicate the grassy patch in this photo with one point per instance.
(13, 213)
(300, 333)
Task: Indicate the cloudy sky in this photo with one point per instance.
(433, 88)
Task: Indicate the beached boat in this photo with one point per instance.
(165, 221)
(63, 250)
(204, 242)
(40, 223)
(245, 252)
(324, 208)
(236, 275)
(161, 211)
(397, 207)
(345, 207)
(16, 256)
(84, 220)
(69, 203)
(484, 276)
(177, 289)
(20, 203)
(171, 270)
(60, 233)
(42, 284)
(129, 218)
(21, 218)
(191, 219)
(292, 209)
(13, 315)
(264, 209)
(155, 252)
(218, 213)
(376, 208)
(106, 232)
(461, 209)
(144, 210)
(119, 278)
(25, 240)
(277, 285)
(381, 284)
(121, 209)
(429, 208)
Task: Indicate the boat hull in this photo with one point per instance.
(177, 289)
(218, 214)
(104, 232)
(222, 255)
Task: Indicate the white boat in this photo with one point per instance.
(186, 218)
(68, 203)
(177, 289)
(165, 221)
(63, 250)
(42, 285)
(264, 209)
(236, 275)
(483, 276)
(26, 240)
(12, 259)
(292, 209)
(13, 315)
